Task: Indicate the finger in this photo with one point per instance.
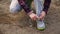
(41, 17)
(36, 17)
(33, 18)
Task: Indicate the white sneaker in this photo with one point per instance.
(40, 25)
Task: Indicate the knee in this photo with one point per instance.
(14, 9)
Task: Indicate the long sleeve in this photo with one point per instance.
(46, 5)
(24, 6)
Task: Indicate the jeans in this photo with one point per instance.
(39, 6)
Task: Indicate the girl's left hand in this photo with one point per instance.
(42, 15)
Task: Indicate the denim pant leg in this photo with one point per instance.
(14, 6)
(39, 6)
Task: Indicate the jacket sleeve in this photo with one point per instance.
(46, 5)
(24, 6)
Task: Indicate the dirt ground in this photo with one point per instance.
(22, 24)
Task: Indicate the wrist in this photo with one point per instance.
(30, 13)
(45, 12)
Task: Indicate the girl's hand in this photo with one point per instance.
(42, 15)
(33, 16)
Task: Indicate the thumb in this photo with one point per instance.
(38, 18)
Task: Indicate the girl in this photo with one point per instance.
(41, 10)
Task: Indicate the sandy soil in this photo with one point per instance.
(22, 24)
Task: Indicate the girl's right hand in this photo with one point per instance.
(32, 16)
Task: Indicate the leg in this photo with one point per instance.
(14, 6)
(39, 7)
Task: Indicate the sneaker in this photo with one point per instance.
(40, 25)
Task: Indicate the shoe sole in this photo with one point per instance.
(41, 29)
